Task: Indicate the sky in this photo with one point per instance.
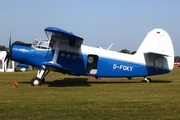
(125, 23)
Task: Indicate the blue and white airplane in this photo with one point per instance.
(63, 52)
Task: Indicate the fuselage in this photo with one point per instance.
(64, 52)
(85, 60)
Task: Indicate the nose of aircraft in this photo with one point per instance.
(18, 52)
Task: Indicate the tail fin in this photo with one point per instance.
(157, 49)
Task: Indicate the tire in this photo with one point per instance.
(36, 81)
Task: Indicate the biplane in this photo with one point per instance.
(64, 52)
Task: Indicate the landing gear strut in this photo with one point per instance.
(148, 80)
(40, 78)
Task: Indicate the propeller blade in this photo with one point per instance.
(8, 55)
(10, 42)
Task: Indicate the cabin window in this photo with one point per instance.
(42, 44)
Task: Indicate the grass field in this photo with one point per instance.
(77, 98)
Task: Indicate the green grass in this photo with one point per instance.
(77, 98)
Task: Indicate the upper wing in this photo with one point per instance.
(59, 34)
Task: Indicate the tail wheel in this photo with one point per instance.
(36, 81)
(148, 80)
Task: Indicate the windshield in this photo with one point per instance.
(42, 44)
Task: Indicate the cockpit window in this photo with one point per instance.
(42, 44)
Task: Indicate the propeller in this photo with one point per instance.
(9, 51)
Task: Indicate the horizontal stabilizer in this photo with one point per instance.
(158, 54)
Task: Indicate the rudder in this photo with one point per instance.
(157, 49)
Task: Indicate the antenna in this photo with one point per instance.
(110, 46)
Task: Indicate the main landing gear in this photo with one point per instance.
(148, 80)
(40, 78)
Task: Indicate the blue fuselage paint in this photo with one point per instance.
(117, 68)
(30, 55)
(77, 63)
(72, 61)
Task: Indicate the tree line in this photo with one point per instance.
(2, 48)
(127, 51)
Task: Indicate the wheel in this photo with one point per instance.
(36, 81)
